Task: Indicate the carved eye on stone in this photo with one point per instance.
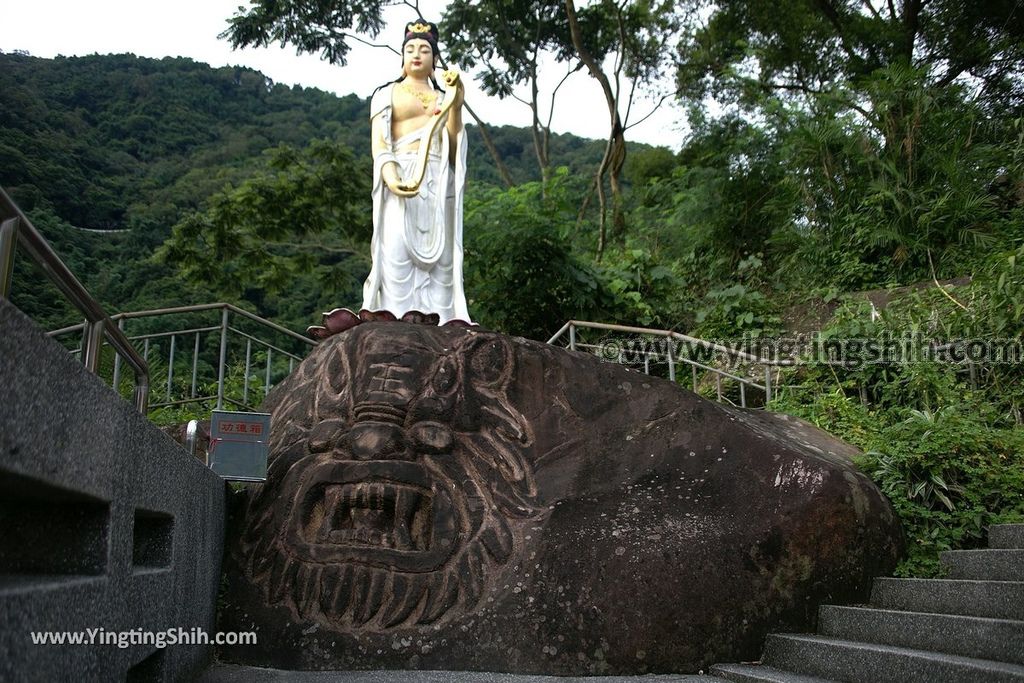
(489, 360)
(326, 435)
(432, 437)
(444, 378)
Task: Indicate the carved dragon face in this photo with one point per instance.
(398, 483)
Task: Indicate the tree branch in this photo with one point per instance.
(355, 37)
(651, 113)
(489, 144)
(570, 72)
(826, 8)
(587, 58)
(871, 8)
(801, 87)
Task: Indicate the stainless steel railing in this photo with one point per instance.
(223, 332)
(651, 354)
(17, 230)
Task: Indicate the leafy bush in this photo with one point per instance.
(522, 276)
(646, 292)
(943, 443)
(738, 309)
(949, 475)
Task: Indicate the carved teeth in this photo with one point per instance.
(376, 514)
(404, 510)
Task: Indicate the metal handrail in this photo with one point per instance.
(196, 308)
(224, 328)
(573, 325)
(16, 228)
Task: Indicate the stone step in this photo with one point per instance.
(220, 672)
(845, 660)
(984, 565)
(993, 599)
(996, 639)
(1006, 536)
(759, 673)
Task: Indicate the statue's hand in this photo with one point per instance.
(394, 181)
(452, 79)
(403, 190)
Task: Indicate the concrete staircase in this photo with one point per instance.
(968, 627)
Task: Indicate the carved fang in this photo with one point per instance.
(373, 597)
(439, 602)
(497, 539)
(405, 596)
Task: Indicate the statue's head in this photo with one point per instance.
(419, 48)
(399, 483)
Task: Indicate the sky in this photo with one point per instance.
(189, 28)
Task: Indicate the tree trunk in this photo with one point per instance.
(489, 144)
(615, 153)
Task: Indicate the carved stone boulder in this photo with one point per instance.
(448, 498)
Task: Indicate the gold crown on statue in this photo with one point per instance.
(418, 28)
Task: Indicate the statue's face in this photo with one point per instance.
(405, 489)
(417, 58)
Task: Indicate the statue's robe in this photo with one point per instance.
(417, 241)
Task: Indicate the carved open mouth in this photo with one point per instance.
(385, 513)
(375, 514)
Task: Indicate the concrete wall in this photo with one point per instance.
(105, 523)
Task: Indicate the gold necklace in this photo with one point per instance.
(425, 98)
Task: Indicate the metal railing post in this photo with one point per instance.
(671, 360)
(195, 365)
(245, 382)
(223, 358)
(117, 361)
(266, 382)
(170, 369)
(142, 392)
(93, 344)
(572, 337)
(767, 384)
(8, 241)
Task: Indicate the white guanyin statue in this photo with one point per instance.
(419, 176)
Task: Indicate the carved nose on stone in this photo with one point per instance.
(376, 441)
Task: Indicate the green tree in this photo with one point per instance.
(305, 209)
(891, 120)
(522, 274)
(315, 27)
(637, 34)
(509, 52)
